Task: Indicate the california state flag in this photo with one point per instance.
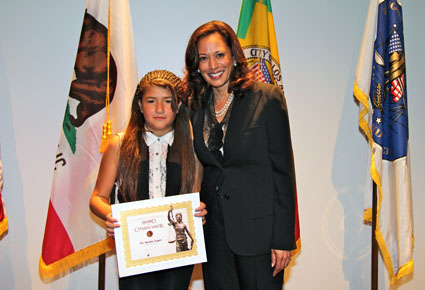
(73, 234)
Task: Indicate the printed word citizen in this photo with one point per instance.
(148, 225)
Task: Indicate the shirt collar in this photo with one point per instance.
(151, 138)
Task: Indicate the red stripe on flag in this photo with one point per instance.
(1, 209)
(397, 88)
(56, 243)
(256, 71)
(297, 222)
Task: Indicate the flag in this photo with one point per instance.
(73, 235)
(257, 37)
(380, 91)
(3, 217)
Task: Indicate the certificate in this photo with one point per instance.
(158, 234)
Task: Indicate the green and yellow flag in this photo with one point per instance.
(257, 36)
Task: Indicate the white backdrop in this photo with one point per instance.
(318, 44)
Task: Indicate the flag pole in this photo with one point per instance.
(374, 254)
(101, 279)
(106, 133)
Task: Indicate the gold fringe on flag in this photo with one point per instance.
(3, 226)
(67, 264)
(106, 130)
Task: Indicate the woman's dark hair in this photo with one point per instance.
(133, 147)
(195, 85)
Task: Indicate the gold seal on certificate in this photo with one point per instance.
(158, 234)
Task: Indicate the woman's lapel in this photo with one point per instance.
(242, 112)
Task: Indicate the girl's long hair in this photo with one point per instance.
(133, 147)
(196, 87)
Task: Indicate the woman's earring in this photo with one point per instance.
(235, 64)
(199, 71)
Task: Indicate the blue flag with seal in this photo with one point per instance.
(380, 89)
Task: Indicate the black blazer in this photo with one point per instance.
(257, 179)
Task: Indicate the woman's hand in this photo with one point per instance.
(201, 211)
(280, 260)
(111, 224)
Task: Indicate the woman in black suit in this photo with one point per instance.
(242, 138)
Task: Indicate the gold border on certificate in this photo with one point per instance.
(158, 234)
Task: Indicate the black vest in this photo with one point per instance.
(174, 176)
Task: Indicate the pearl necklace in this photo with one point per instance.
(226, 106)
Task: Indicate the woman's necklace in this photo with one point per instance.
(226, 106)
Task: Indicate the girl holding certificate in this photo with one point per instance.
(154, 158)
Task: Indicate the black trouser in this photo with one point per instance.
(226, 270)
(171, 279)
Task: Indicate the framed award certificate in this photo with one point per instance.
(158, 234)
